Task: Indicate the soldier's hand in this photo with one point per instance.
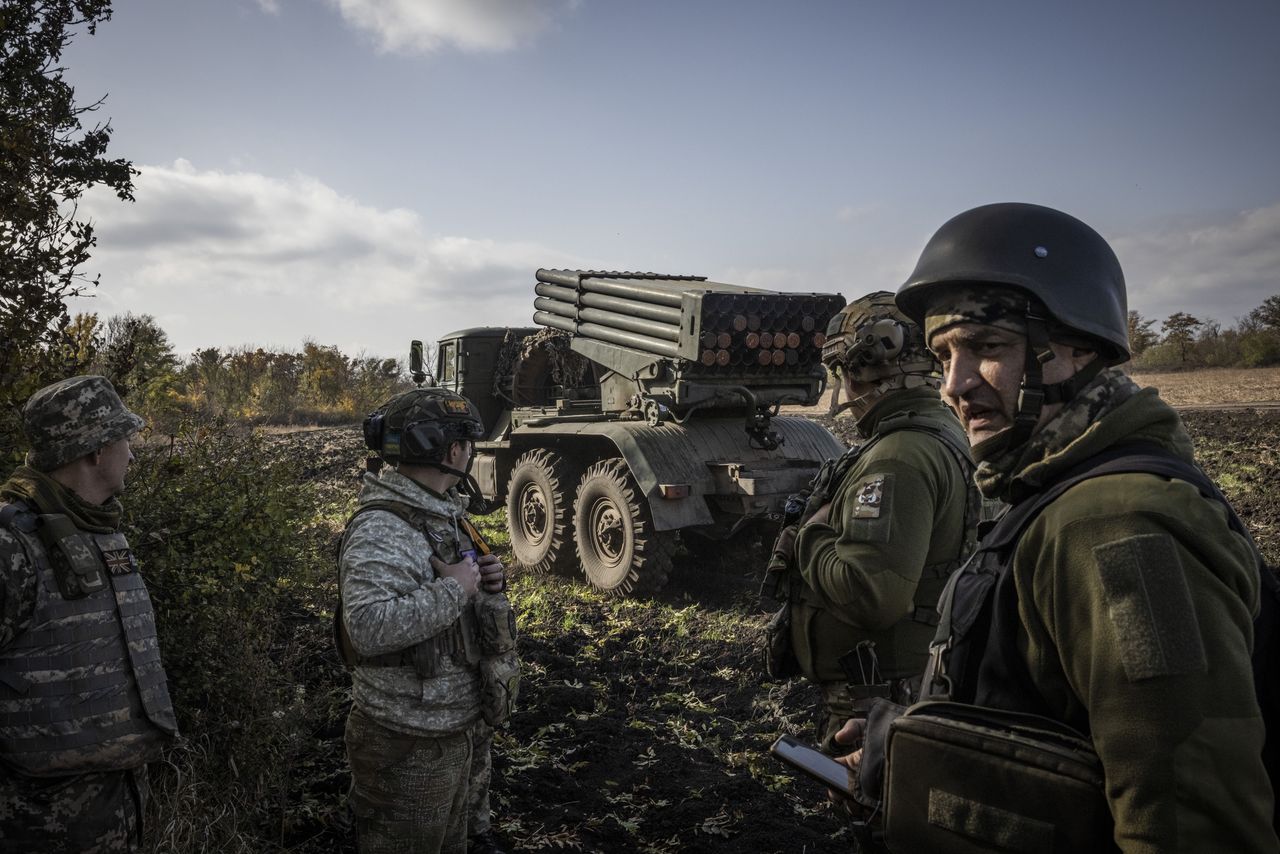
(493, 576)
(466, 572)
(851, 735)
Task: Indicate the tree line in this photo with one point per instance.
(1186, 341)
(318, 384)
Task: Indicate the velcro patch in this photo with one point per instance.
(119, 561)
(869, 498)
(1150, 607)
(868, 517)
(460, 407)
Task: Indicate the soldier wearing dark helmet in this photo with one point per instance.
(885, 524)
(1118, 593)
(84, 703)
(427, 632)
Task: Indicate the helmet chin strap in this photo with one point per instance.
(476, 502)
(1033, 394)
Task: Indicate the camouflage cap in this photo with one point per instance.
(72, 418)
(990, 305)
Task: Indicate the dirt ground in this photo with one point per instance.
(644, 726)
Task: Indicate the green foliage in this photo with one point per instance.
(1141, 336)
(1159, 357)
(48, 159)
(1267, 315)
(1259, 349)
(1180, 329)
(227, 540)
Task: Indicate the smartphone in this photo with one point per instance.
(814, 763)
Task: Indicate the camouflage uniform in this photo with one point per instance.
(900, 521)
(83, 697)
(415, 729)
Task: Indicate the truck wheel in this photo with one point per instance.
(538, 512)
(620, 551)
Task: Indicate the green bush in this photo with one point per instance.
(223, 527)
(1259, 349)
(1159, 357)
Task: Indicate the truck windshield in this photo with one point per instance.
(445, 369)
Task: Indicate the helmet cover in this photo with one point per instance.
(417, 426)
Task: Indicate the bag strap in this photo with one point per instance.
(1126, 458)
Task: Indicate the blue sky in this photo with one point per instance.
(361, 172)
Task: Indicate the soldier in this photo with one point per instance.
(84, 703)
(1123, 605)
(887, 523)
(431, 637)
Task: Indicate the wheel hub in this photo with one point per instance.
(610, 533)
(533, 514)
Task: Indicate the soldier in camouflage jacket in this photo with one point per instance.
(84, 702)
(412, 586)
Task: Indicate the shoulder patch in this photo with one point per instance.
(868, 513)
(1150, 608)
(869, 497)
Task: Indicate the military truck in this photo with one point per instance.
(642, 405)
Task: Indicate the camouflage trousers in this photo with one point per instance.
(99, 813)
(839, 704)
(478, 811)
(408, 793)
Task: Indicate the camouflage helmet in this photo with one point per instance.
(417, 426)
(870, 339)
(1043, 252)
(73, 418)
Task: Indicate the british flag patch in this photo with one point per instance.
(119, 561)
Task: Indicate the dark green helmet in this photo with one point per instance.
(418, 426)
(1058, 259)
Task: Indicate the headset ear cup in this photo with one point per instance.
(420, 440)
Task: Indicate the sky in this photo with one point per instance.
(365, 172)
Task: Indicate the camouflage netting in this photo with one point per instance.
(567, 367)
(539, 360)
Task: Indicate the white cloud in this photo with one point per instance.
(240, 257)
(271, 7)
(1214, 270)
(422, 26)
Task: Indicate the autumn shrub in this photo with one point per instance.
(223, 525)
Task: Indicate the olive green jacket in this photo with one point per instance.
(899, 509)
(1136, 603)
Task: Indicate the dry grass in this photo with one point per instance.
(1204, 387)
(1211, 386)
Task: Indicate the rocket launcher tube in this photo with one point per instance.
(647, 310)
(652, 328)
(608, 334)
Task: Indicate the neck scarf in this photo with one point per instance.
(48, 496)
(999, 465)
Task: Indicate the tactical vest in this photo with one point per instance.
(911, 634)
(974, 658)
(82, 689)
(459, 643)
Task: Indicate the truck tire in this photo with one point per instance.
(618, 548)
(539, 512)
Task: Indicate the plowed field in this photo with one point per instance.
(644, 726)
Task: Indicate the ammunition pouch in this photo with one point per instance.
(779, 656)
(499, 687)
(76, 564)
(499, 663)
(996, 781)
